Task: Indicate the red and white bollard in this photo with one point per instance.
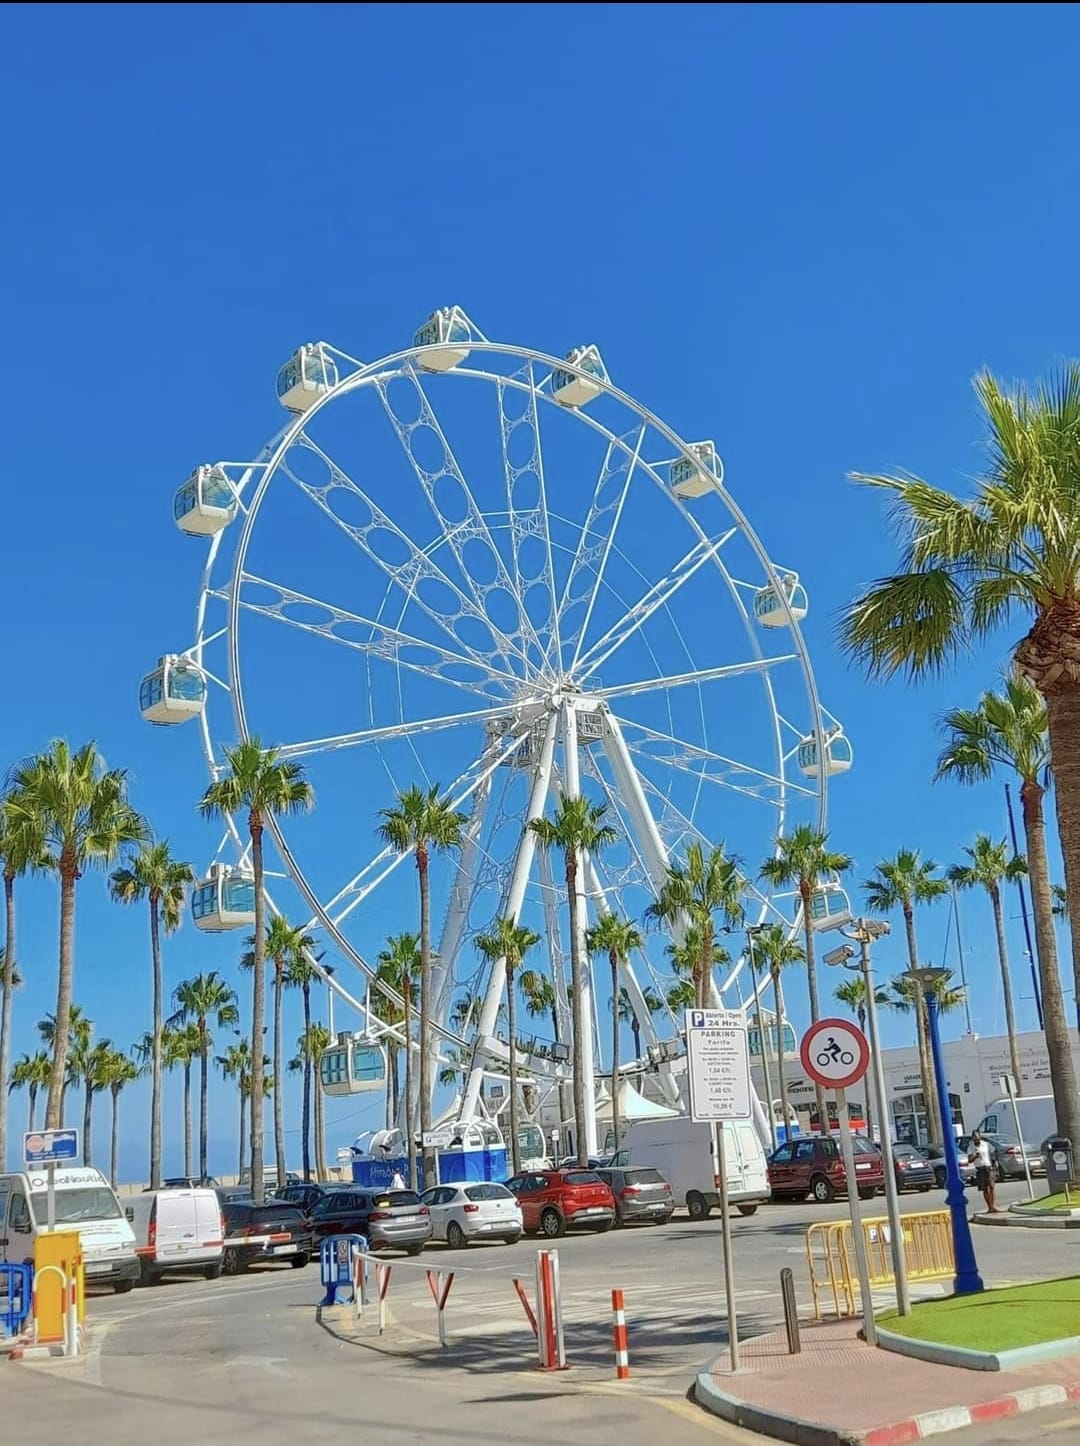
(382, 1280)
(622, 1337)
(549, 1321)
(439, 1283)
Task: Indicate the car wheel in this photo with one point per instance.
(619, 1222)
(121, 1287)
(604, 1227)
(867, 1194)
(663, 1219)
(415, 1249)
(821, 1190)
(513, 1239)
(231, 1263)
(747, 1209)
(923, 1189)
(697, 1206)
(212, 1272)
(299, 1261)
(552, 1224)
(146, 1273)
(939, 1179)
(455, 1236)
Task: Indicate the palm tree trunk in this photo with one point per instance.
(564, 1112)
(1006, 986)
(425, 1009)
(704, 973)
(581, 1024)
(58, 1073)
(1062, 1072)
(305, 1141)
(1063, 718)
(244, 1111)
(635, 1030)
(806, 890)
(114, 1148)
(780, 1056)
(935, 1126)
(515, 1153)
(88, 1108)
(33, 1108)
(187, 1118)
(7, 991)
(860, 1014)
(393, 1094)
(410, 1148)
(279, 1103)
(258, 1011)
(320, 1133)
(155, 1059)
(765, 1054)
(613, 959)
(204, 1116)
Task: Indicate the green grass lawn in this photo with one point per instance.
(1053, 1202)
(995, 1320)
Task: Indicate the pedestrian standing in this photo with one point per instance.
(979, 1155)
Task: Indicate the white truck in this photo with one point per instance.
(682, 1151)
(84, 1201)
(177, 1230)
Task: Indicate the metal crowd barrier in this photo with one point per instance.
(830, 1256)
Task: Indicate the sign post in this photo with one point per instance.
(1010, 1087)
(50, 1148)
(719, 1071)
(835, 1054)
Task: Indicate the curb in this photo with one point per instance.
(901, 1433)
(969, 1360)
(1036, 1222)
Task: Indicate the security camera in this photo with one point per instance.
(840, 955)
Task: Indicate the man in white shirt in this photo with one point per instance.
(981, 1157)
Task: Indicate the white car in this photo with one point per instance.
(473, 1210)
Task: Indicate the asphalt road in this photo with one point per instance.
(247, 1360)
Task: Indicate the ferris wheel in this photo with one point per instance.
(475, 565)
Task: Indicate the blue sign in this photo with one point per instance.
(50, 1147)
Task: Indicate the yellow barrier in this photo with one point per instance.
(830, 1255)
(58, 1258)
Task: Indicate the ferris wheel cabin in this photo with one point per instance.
(306, 377)
(206, 503)
(225, 899)
(572, 390)
(352, 1066)
(838, 755)
(173, 692)
(699, 476)
(769, 609)
(445, 335)
(830, 907)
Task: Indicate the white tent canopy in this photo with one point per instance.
(632, 1105)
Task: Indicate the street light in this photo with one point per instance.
(967, 1280)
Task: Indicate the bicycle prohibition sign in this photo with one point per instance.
(834, 1053)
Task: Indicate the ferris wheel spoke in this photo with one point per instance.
(472, 526)
(409, 575)
(656, 597)
(598, 535)
(414, 728)
(702, 675)
(701, 775)
(682, 752)
(401, 649)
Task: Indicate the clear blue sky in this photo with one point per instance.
(800, 230)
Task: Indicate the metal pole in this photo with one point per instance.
(1010, 1090)
(50, 1199)
(583, 1008)
(720, 1158)
(1024, 911)
(967, 1280)
(881, 1106)
(963, 968)
(858, 1239)
(757, 985)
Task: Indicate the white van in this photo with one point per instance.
(682, 1151)
(86, 1202)
(1038, 1119)
(179, 1229)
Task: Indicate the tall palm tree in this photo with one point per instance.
(692, 894)
(400, 966)
(802, 859)
(203, 999)
(79, 1031)
(284, 944)
(418, 823)
(616, 938)
(901, 883)
(579, 826)
(180, 1048)
(852, 992)
(79, 811)
(682, 995)
(31, 1073)
(540, 998)
(20, 851)
(87, 1065)
(628, 1014)
(235, 1064)
(905, 993)
(967, 567)
(777, 952)
(151, 873)
(510, 942)
(310, 1047)
(988, 866)
(756, 960)
(264, 784)
(117, 1070)
(300, 973)
(1009, 730)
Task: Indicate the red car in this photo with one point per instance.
(815, 1167)
(554, 1201)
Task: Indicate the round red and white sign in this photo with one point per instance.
(834, 1053)
(34, 1144)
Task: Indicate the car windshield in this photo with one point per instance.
(862, 1146)
(95, 1203)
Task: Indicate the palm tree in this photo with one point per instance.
(852, 992)
(905, 992)
(628, 1014)
(300, 973)
(988, 866)
(901, 883)
(284, 944)
(802, 859)
(578, 827)
(510, 942)
(235, 1064)
(181, 1046)
(1009, 730)
(79, 1031)
(1060, 904)
(616, 938)
(20, 851)
(540, 997)
(310, 1047)
(265, 784)
(204, 998)
(31, 1073)
(690, 896)
(682, 995)
(399, 965)
(969, 565)
(117, 1070)
(756, 961)
(418, 823)
(79, 811)
(87, 1064)
(154, 875)
(777, 952)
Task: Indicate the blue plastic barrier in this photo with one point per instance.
(337, 1264)
(16, 1286)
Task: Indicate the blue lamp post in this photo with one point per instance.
(967, 1280)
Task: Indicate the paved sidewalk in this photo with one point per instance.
(839, 1390)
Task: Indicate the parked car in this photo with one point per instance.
(188, 1182)
(554, 1201)
(84, 1201)
(1009, 1157)
(388, 1219)
(936, 1155)
(177, 1230)
(912, 1168)
(816, 1167)
(473, 1210)
(274, 1231)
(306, 1197)
(640, 1193)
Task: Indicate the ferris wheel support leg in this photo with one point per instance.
(583, 1007)
(557, 960)
(515, 895)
